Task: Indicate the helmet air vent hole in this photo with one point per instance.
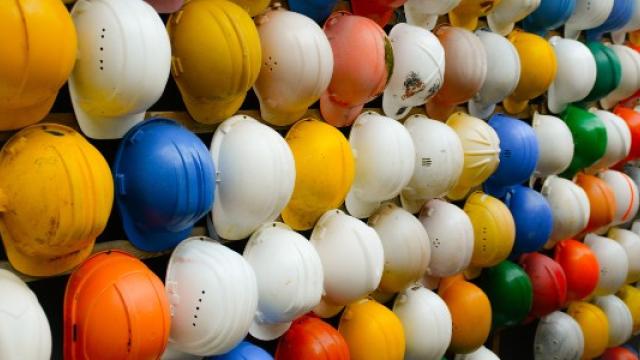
(427, 162)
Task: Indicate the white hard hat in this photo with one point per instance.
(619, 317)
(170, 353)
(630, 241)
(558, 336)
(289, 275)
(385, 159)
(587, 14)
(24, 328)
(482, 353)
(439, 160)
(297, 65)
(202, 321)
(613, 262)
(625, 192)
(619, 35)
(630, 78)
(124, 58)
(424, 13)
(426, 321)
(255, 176)
(502, 76)
(555, 144)
(575, 76)
(504, 15)
(618, 140)
(418, 69)
(569, 206)
(352, 260)
(451, 235)
(407, 248)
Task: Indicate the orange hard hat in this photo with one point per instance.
(312, 339)
(115, 308)
(632, 118)
(580, 266)
(601, 200)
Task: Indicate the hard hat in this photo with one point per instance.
(379, 11)
(580, 266)
(318, 10)
(161, 6)
(115, 308)
(215, 56)
(352, 259)
(518, 153)
(451, 235)
(481, 147)
(39, 50)
(620, 14)
(288, 287)
(510, 292)
(555, 144)
(549, 15)
(243, 351)
(602, 201)
(569, 206)
(203, 322)
(576, 73)
(313, 339)
(296, 65)
(439, 160)
(466, 69)
(594, 325)
(629, 78)
(372, 331)
(630, 241)
(255, 176)
(619, 353)
(618, 140)
(493, 229)
(418, 69)
(356, 80)
(172, 354)
(631, 297)
(470, 313)
(589, 138)
(618, 36)
(608, 70)
(533, 218)
(424, 13)
(482, 353)
(324, 172)
(159, 156)
(614, 265)
(625, 192)
(253, 7)
(466, 14)
(385, 160)
(548, 281)
(587, 15)
(502, 76)
(618, 316)
(24, 329)
(406, 245)
(538, 67)
(506, 13)
(558, 335)
(119, 73)
(632, 118)
(426, 322)
(51, 227)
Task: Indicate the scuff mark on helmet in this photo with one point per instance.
(412, 85)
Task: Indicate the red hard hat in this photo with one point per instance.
(618, 353)
(311, 338)
(632, 118)
(379, 11)
(580, 267)
(549, 283)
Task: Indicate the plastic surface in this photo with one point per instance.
(548, 281)
(482, 353)
(630, 241)
(632, 118)
(589, 139)
(629, 78)
(618, 140)
(587, 15)
(613, 262)
(318, 10)
(555, 144)
(380, 11)
(625, 192)
(594, 325)
(569, 206)
(580, 266)
(243, 351)
(633, 25)
(466, 14)
(165, 6)
(608, 70)
(506, 13)
(602, 201)
(619, 353)
(631, 297)
(619, 16)
(558, 335)
(253, 7)
(424, 13)
(313, 339)
(550, 14)
(619, 318)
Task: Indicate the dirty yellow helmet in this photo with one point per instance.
(538, 66)
(372, 331)
(631, 296)
(56, 193)
(253, 7)
(216, 57)
(481, 147)
(493, 227)
(38, 46)
(466, 14)
(594, 325)
(324, 172)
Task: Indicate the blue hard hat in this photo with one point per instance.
(551, 14)
(164, 183)
(518, 154)
(243, 351)
(533, 218)
(618, 17)
(318, 10)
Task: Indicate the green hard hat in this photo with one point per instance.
(589, 138)
(608, 71)
(510, 292)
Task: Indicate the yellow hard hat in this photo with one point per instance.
(493, 227)
(538, 68)
(324, 172)
(594, 325)
(481, 147)
(631, 296)
(56, 192)
(38, 46)
(216, 57)
(253, 7)
(372, 331)
(466, 14)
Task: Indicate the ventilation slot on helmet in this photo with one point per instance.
(436, 242)
(102, 49)
(197, 309)
(507, 153)
(427, 162)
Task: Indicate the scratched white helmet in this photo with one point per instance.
(630, 78)
(587, 14)
(558, 336)
(619, 317)
(613, 262)
(555, 144)
(630, 241)
(625, 192)
(569, 206)
(424, 13)
(506, 13)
